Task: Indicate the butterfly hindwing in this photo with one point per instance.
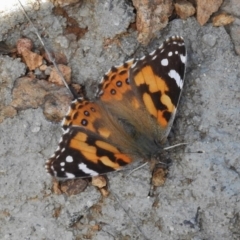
(82, 153)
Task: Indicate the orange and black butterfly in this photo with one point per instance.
(129, 118)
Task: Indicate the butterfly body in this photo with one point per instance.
(130, 117)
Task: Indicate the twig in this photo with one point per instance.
(51, 58)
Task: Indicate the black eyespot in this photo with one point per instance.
(86, 113)
(119, 83)
(127, 81)
(93, 109)
(113, 91)
(84, 122)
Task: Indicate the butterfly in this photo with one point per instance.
(129, 118)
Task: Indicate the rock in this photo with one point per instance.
(184, 9)
(56, 105)
(7, 112)
(99, 181)
(27, 93)
(205, 8)
(56, 78)
(64, 3)
(24, 43)
(231, 7)
(222, 19)
(32, 60)
(152, 16)
(209, 39)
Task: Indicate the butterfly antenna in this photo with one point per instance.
(182, 144)
(137, 168)
(51, 58)
(176, 145)
(130, 217)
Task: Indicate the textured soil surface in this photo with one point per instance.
(201, 196)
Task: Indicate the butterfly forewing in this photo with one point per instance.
(158, 78)
(82, 113)
(115, 83)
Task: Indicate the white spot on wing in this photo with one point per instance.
(118, 66)
(173, 74)
(69, 159)
(85, 169)
(176, 52)
(154, 57)
(152, 53)
(170, 54)
(69, 175)
(130, 60)
(108, 72)
(183, 58)
(62, 164)
(66, 131)
(102, 80)
(164, 62)
(134, 65)
(63, 121)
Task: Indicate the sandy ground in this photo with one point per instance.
(200, 199)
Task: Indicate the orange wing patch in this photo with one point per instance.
(155, 84)
(82, 113)
(115, 83)
(84, 153)
(97, 150)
